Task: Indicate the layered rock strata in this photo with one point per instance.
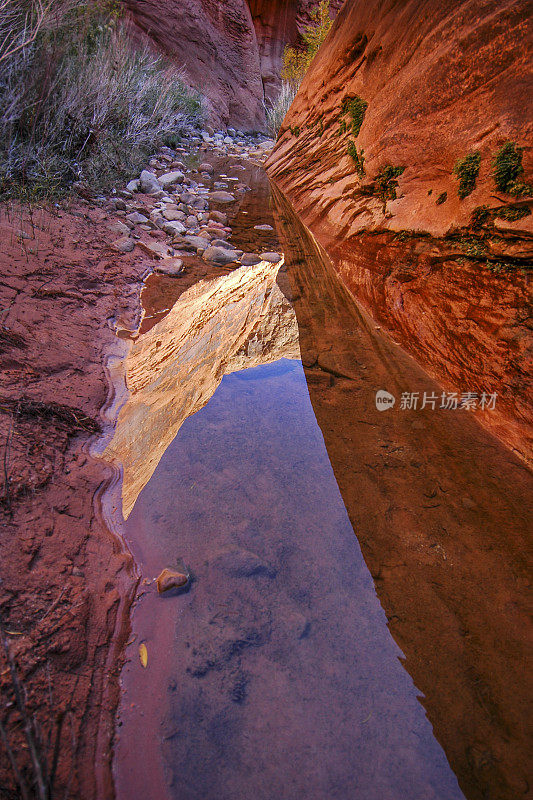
(406, 152)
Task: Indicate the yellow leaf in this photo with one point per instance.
(143, 655)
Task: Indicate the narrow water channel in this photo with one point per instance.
(353, 628)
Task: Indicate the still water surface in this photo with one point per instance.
(277, 674)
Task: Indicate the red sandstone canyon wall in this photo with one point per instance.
(230, 50)
(441, 80)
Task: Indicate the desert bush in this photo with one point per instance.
(79, 101)
(467, 170)
(508, 171)
(20, 23)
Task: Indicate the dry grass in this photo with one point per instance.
(277, 112)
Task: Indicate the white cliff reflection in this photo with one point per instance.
(217, 327)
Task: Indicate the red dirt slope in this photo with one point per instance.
(65, 583)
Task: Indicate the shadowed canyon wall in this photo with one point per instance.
(230, 50)
(399, 92)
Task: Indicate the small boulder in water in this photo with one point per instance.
(218, 216)
(173, 267)
(198, 242)
(171, 579)
(219, 256)
(221, 197)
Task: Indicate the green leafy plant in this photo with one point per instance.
(508, 169)
(386, 183)
(356, 108)
(512, 214)
(480, 215)
(467, 170)
(507, 166)
(358, 157)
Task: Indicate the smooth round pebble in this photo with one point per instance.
(273, 258)
(250, 259)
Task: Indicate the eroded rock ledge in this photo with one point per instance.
(398, 95)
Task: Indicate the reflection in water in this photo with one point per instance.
(276, 675)
(217, 327)
(442, 512)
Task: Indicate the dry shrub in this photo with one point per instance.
(78, 101)
(296, 62)
(277, 111)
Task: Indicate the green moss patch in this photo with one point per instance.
(358, 157)
(356, 108)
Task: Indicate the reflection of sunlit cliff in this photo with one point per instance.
(220, 326)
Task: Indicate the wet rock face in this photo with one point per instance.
(230, 49)
(400, 93)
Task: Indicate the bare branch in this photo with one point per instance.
(21, 783)
(33, 21)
